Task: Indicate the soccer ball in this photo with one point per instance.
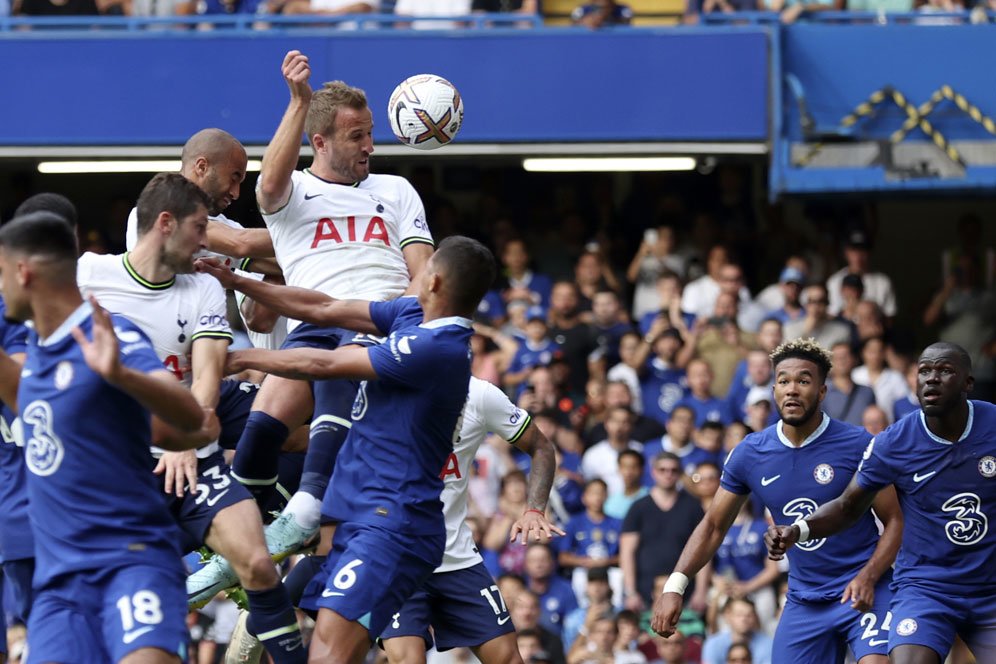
(426, 111)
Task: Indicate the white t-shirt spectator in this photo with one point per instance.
(889, 388)
(601, 461)
(878, 289)
(433, 8)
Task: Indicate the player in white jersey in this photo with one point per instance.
(339, 230)
(184, 315)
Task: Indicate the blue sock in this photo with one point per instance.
(258, 452)
(301, 575)
(329, 428)
(272, 620)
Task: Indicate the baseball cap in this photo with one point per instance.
(536, 313)
(792, 275)
(757, 394)
(857, 240)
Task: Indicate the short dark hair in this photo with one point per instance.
(803, 349)
(596, 480)
(168, 192)
(668, 456)
(960, 353)
(48, 201)
(472, 266)
(40, 233)
(632, 453)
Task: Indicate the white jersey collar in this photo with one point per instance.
(813, 436)
(964, 434)
(81, 314)
(449, 320)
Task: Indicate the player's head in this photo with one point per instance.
(460, 271)
(801, 367)
(339, 126)
(215, 161)
(172, 211)
(37, 254)
(48, 201)
(944, 378)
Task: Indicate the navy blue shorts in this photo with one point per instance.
(216, 490)
(927, 617)
(820, 632)
(17, 577)
(234, 404)
(370, 573)
(464, 608)
(100, 617)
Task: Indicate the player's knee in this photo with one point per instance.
(406, 653)
(256, 571)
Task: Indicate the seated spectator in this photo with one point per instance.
(877, 286)
(734, 435)
(529, 643)
(757, 374)
(568, 485)
(845, 400)
(544, 395)
(486, 363)
(760, 409)
(869, 321)
(56, 8)
(888, 384)
(602, 14)
(695, 8)
(739, 653)
(700, 399)
(515, 319)
(597, 645)
(678, 441)
(852, 290)
(791, 282)
(537, 350)
(709, 438)
(500, 554)
(772, 297)
(607, 319)
(653, 259)
(525, 612)
(510, 585)
(624, 372)
(555, 595)
(749, 314)
(720, 342)
(601, 461)
(597, 602)
(325, 8)
(874, 420)
(592, 537)
(593, 274)
(704, 482)
(631, 470)
(632, 645)
(505, 7)
(699, 296)
(643, 428)
(578, 340)
(518, 281)
(910, 404)
(431, 8)
(741, 627)
(817, 323)
(671, 650)
(669, 307)
(663, 382)
(791, 10)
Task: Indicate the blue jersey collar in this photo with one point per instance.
(964, 434)
(75, 319)
(449, 320)
(813, 436)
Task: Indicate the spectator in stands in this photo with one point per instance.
(734, 435)
(631, 470)
(739, 653)
(537, 350)
(759, 411)
(791, 10)
(593, 274)
(525, 612)
(519, 281)
(817, 323)
(869, 321)
(852, 291)
(654, 258)
(555, 594)
(577, 340)
(597, 645)
(663, 381)
(610, 325)
(874, 420)
(623, 370)
(888, 384)
(678, 441)
(769, 336)
(602, 14)
(529, 643)
(432, 8)
(670, 650)
(597, 603)
(910, 404)
(544, 395)
(643, 428)
(700, 399)
(846, 400)
(699, 296)
(791, 282)
(56, 7)
(669, 296)
(654, 532)
(757, 375)
(741, 627)
(632, 645)
(325, 8)
(695, 8)
(877, 286)
(720, 342)
(508, 556)
(592, 538)
(704, 482)
(601, 461)
(749, 314)
(505, 7)
(772, 297)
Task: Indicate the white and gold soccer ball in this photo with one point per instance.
(425, 111)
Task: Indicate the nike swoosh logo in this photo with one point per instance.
(878, 642)
(332, 593)
(308, 197)
(919, 478)
(765, 481)
(212, 501)
(502, 621)
(131, 636)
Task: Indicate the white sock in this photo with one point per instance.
(307, 510)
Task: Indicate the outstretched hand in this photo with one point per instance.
(534, 525)
(213, 266)
(101, 353)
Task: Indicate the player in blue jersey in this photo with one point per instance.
(791, 468)
(942, 462)
(385, 490)
(109, 581)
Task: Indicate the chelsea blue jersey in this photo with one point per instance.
(947, 491)
(404, 423)
(95, 503)
(16, 542)
(792, 482)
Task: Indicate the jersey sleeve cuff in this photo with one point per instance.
(522, 430)
(416, 240)
(213, 335)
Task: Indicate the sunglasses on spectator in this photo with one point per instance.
(817, 301)
(668, 469)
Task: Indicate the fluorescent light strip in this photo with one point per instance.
(147, 166)
(608, 164)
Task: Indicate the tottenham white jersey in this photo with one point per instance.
(173, 314)
(488, 410)
(265, 340)
(346, 240)
(131, 239)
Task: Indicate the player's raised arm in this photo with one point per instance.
(837, 515)
(303, 304)
(280, 158)
(305, 363)
(241, 242)
(698, 552)
(861, 590)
